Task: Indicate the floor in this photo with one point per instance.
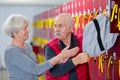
(3, 74)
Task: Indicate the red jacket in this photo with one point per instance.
(82, 69)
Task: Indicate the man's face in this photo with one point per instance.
(61, 29)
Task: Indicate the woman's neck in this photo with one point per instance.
(18, 43)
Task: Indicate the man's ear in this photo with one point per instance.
(70, 29)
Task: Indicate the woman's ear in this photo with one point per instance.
(13, 34)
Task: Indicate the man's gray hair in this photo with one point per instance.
(14, 23)
(68, 18)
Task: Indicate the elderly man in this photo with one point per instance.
(74, 68)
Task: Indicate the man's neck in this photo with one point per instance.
(67, 40)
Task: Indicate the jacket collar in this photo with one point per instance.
(74, 42)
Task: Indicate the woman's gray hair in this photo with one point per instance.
(68, 18)
(14, 23)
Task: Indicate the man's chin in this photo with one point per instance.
(58, 37)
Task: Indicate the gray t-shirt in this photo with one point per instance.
(22, 64)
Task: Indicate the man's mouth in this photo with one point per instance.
(58, 33)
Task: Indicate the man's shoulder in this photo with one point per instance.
(53, 42)
(79, 37)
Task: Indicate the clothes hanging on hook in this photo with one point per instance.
(95, 42)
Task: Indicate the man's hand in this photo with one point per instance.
(80, 58)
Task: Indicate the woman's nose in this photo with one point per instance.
(28, 30)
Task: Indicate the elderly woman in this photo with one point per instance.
(19, 57)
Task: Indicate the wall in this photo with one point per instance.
(5, 11)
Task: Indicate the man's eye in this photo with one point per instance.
(60, 26)
(54, 26)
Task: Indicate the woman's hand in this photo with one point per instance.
(69, 52)
(66, 54)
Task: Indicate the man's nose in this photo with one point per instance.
(56, 29)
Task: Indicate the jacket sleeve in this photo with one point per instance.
(59, 69)
(15, 58)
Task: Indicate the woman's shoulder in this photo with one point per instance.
(11, 49)
(11, 52)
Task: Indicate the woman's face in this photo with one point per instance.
(22, 34)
